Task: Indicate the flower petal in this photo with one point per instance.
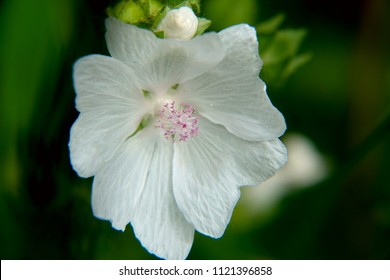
(136, 186)
(162, 63)
(210, 168)
(232, 94)
(111, 108)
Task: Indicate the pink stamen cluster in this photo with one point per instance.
(176, 123)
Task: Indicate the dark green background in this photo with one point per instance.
(339, 99)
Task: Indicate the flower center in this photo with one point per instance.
(178, 123)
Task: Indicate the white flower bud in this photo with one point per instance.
(179, 23)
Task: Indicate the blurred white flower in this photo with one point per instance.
(171, 129)
(179, 23)
(305, 167)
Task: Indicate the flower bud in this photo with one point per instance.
(179, 23)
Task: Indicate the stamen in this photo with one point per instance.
(181, 124)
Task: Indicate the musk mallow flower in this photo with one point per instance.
(171, 129)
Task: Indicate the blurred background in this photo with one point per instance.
(327, 67)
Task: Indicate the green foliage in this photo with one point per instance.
(294, 64)
(31, 54)
(25, 57)
(283, 45)
(230, 12)
(271, 25)
(279, 49)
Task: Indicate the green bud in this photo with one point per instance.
(128, 11)
(155, 7)
(138, 12)
(149, 13)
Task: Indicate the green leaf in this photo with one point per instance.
(271, 25)
(284, 45)
(203, 24)
(294, 64)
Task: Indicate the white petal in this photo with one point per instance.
(209, 169)
(136, 186)
(162, 63)
(111, 108)
(232, 94)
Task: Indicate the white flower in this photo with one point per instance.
(206, 97)
(179, 23)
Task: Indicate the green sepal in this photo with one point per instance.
(146, 93)
(203, 24)
(144, 123)
(193, 4)
(163, 12)
(159, 34)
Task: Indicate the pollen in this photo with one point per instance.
(178, 123)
